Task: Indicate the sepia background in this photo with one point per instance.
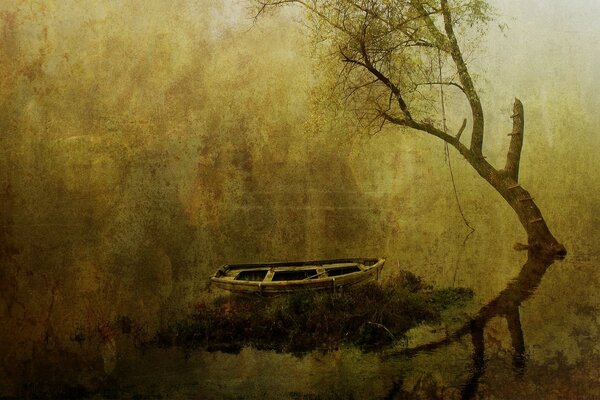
(145, 143)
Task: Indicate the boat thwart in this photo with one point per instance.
(285, 277)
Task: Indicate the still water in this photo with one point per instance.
(517, 346)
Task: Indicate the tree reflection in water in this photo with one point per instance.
(506, 305)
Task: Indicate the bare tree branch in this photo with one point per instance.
(385, 80)
(462, 128)
(427, 128)
(442, 40)
(467, 82)
(513, 157)
(449, 83)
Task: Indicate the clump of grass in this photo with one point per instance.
(370, 317)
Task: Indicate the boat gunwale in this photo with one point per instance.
(344, 278)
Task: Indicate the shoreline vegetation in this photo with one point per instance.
(375, 316)
(371, 317)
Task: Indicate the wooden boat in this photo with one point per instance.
(285, 277)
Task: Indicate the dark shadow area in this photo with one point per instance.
(371, 316)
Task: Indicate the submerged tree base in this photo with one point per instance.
(371, 317)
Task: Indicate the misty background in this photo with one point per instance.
(143, 144)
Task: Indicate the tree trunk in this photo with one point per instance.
(539, 236)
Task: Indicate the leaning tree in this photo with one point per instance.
(397, 56)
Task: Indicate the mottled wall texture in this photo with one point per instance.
(145, 143)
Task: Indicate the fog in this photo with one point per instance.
(145, 143)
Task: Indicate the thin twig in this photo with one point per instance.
(383, 327)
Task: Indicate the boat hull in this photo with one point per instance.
(269, 279)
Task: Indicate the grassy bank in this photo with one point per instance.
(372, 316)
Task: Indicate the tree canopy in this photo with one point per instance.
(397, 56)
